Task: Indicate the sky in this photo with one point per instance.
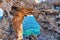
(38, 1)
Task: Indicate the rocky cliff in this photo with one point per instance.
(48, 17)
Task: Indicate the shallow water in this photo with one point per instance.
(1, 12)
(30, 26)
(0, 17)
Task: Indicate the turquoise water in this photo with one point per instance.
(1, 13)
(30, 26)
(0, 17)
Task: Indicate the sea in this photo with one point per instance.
(30, 26)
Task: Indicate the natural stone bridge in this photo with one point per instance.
(47, 17)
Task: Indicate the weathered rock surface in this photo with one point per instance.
(48, 17)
